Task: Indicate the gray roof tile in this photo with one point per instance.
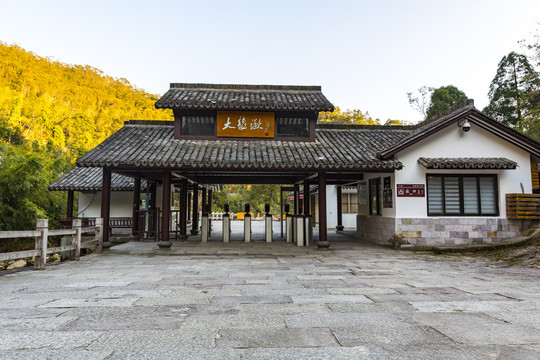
(349, 148)
(467, 163)
(89, 179)
(244, 97)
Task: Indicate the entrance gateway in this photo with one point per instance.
(234, 134)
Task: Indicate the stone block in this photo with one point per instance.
(405, 221)
(412, 234)
(439, 227)
(492, 234)
(276, 338)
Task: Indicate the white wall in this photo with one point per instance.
(121, 203)
(387, 212)
(90, 204)
(348, 220)
(453, 142)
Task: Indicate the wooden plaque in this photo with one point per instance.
(245, 124)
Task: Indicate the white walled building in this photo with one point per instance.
(459, 179)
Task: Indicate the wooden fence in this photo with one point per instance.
(523, 206)
(42, 234)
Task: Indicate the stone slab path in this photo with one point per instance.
(270, 301)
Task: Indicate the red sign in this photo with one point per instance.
(411, 190)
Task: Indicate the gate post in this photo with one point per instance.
(40, 260)
(76, 239)
(99, 235)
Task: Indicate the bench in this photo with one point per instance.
(120, 223)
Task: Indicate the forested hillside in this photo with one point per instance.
(50, 114)
(70, 107)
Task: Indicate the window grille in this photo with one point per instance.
(460, 195)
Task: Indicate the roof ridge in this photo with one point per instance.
(330, 126)
(149, 122)
(469, 103)
(203, 86)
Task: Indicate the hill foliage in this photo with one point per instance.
(50, 114)
(68, 107)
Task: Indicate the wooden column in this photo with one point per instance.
(339, 225)
(69, 210)
(306, 198)
(195, 221)
(183, 208)
(106, 204)
(203, 199)
(323, 236)
(166, 207)
(189, 206)
(295, 200)
(136, 206)
(210, 201)
(153, 195)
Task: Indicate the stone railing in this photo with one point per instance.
(42, 233)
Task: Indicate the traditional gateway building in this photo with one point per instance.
(454, 179)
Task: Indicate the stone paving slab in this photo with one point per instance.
(155, 339)
(57, 354)
(319, 353)
(270, 301)
(276, 338)
(404, 334)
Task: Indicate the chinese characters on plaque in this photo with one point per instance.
(411, 190)
(245, 124)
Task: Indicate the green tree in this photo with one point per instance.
(421, 100)
(513, 93)
(443, 99)
(24, 177)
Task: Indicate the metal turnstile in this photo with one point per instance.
(268, 228)
(289, 227)
(308, 230)
(205, 228)
(247, 224)
(267, 224)
(226, 225)
(299, 230)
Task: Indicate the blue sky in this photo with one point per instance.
(365, 54)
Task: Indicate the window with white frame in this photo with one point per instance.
(462, 195)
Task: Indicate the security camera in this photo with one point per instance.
(466, 126)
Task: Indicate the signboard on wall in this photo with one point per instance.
(411, 190)
(245, 124)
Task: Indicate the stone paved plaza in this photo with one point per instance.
(270, 301)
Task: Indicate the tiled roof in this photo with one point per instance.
(244, 97)
(154, 146)
(463, 111)
(89, 179)
(467, 163)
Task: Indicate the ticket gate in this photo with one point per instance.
(267, 224)
(226, 225)
(205, 228)
(308, 230)
(299, 230)
(288, 225)
(247, 224)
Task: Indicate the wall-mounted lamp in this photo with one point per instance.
(464, 125)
